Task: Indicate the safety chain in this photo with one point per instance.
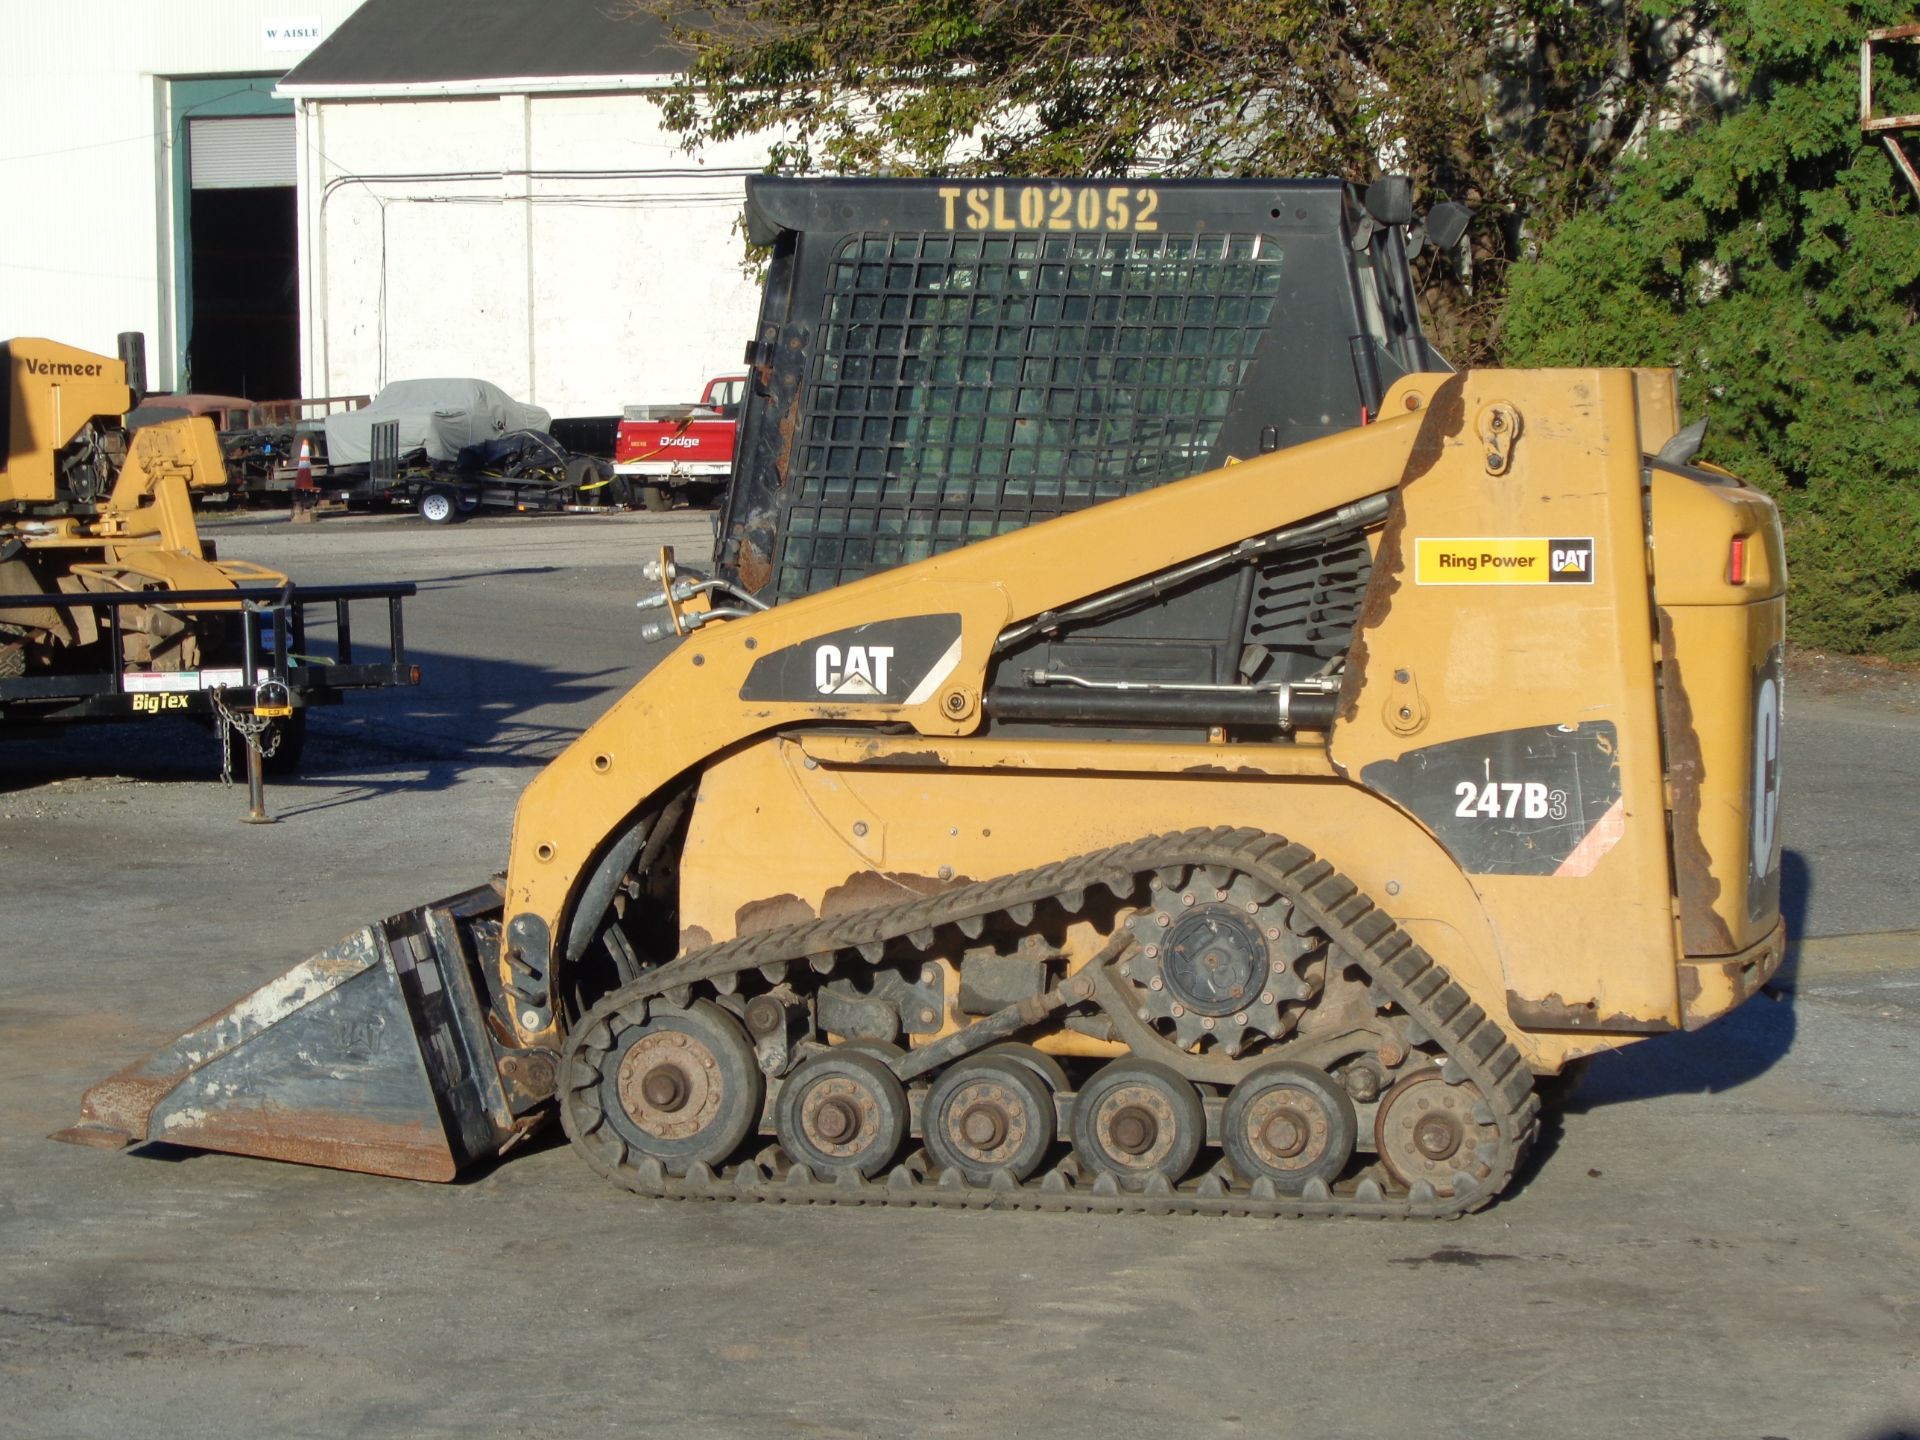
(251, 728)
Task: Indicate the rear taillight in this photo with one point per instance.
(1737, 561)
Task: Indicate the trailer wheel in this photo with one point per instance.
(580, 474)
(655, 498)
(439, 505)
(620, 493)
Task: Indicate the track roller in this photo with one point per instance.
(1291, 1124)
(1052, 1074)
(987, 1116)
(842, 1112)
(1136, 1120)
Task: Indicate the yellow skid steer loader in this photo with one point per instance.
(1155, 739)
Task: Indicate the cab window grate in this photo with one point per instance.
(963, 387)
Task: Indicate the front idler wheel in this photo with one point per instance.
(683, 1087)
(1136, 1120)
(988, 1116)
(1426, 1129)
(1291, 1124)
(842, 1113)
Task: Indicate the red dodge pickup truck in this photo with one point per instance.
(662, 449)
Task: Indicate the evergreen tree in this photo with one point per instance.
(1772, 253)
(1511, 106)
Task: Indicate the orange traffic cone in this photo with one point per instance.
(305, 497)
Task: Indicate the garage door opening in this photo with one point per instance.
(245, 322)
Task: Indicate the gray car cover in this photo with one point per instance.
(438, 416)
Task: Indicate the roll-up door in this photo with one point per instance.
(241, 152)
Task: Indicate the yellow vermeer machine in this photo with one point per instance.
(1354, 743)
(112, 604)
(84, 508)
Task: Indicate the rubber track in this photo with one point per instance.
(1475, 1047)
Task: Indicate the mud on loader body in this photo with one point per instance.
(1247, 843)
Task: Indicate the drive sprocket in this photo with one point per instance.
(1220, 961)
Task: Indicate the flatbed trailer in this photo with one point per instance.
(545, 478)
(287, 678)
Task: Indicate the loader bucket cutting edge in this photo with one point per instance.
(372, 1056)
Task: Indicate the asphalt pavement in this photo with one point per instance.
(1717, 1238)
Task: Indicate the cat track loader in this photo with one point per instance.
(1155, 740)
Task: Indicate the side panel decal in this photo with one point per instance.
(1502, 560)
(895, 662)
(1541, 801)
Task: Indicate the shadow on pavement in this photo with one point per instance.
(466, 712)
(1728, 1053)
(441, 582)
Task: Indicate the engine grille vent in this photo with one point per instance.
(1309, 601)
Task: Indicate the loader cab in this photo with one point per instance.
(939, 361)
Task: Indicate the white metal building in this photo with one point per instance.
(146, 179)
(486, 189)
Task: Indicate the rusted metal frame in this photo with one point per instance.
(268, 412)
(1868, 120)
(1887, 127)
(1900, 160)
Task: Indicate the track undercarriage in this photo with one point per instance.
(1284, 1049)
